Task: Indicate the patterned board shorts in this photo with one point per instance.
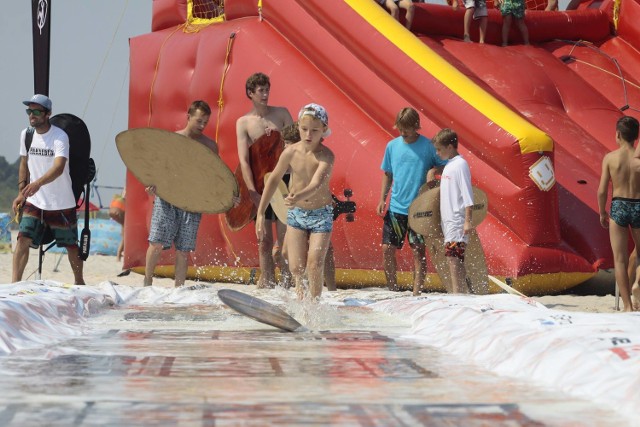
(625, 212)
(395, 228)
(312, 220)
(63, 226)
(455, 250)
(170, 224)
(514, 8)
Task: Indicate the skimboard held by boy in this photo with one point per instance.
(617, 168)
(310, 215)
(456, 202)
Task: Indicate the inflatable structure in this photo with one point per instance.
(534, 121)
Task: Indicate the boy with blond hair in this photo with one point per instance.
(310, 216)
(625, 206)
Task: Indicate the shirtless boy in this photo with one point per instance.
(261, 120)
(170, 224)
(625, 206)
(310, 217)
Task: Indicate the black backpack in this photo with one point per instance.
(82, 169)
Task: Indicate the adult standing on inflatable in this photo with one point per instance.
(45, 193)
(407, 160)
(170, 224)
(260, 121)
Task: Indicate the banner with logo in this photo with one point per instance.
(41, 23)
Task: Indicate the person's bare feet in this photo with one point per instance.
(635, 296)
(467, 38)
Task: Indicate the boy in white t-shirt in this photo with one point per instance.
(456, 200)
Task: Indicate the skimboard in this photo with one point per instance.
(263, 157)
(424, 218)
(277, 200)
(185, 172)
(259, 310)
(506, 287)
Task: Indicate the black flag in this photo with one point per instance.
(41, 23)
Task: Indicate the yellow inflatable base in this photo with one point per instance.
(530, 285)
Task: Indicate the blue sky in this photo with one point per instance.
(89, 74)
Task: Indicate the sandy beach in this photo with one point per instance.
(594, 296)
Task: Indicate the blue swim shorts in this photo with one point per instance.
(625, 212)
(312, 220)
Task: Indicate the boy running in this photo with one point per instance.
(310, 217)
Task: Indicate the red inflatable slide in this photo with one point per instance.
(534, 121)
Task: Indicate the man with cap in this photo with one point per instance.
(45, 194)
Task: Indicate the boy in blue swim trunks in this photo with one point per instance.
(310, 217)
(625, 206)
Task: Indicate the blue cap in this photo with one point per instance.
(42, 100)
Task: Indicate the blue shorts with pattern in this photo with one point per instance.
(625, 212)
(312, 220)
(170, 224)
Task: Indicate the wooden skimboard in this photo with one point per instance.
(476, 266)
(185, 172)
(259, 310)
(424, 218)
(424, 212)
(506, 287)
(263, 157)
(277, 200)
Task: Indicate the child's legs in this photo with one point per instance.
(483, 28)
(619, 239)
(318, 246)
(634, 281)
(506, 26)
(454, 251)
(330, 269)
(468, 17)
(389, 265)
(458, 275)
(265, 257)
(297, 248)
(419, 267)
(279, 257)
(523, 30)
(408, 6)
(393, 8)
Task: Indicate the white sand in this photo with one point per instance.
(99, 268)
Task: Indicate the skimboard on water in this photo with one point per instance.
(263, 157)
(181, 169)
(259, 310)
(424, 218)
(277, 200)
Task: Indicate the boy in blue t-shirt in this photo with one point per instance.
(407, 160)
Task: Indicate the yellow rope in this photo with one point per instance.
(220, 108)
(608, 72)
(155, 72)
(232, 37)
(616, 13)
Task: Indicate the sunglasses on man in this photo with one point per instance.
(35, 112)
